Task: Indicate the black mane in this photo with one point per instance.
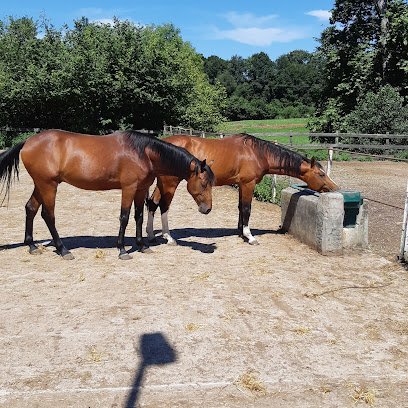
(289, 160)
(174, 157)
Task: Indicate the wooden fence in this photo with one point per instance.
(354, 143)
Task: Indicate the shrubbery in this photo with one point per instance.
(97, 77)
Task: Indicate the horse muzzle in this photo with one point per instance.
(204, 208)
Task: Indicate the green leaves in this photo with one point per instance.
(362, 51)
(97, 77)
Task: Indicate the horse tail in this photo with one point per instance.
(9, 169)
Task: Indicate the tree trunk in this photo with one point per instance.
(381, 8)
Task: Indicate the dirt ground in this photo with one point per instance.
(384, 184)
(213, 322)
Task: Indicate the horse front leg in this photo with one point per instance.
(162, 197)
(152, 203)
(246, 194)
(240, 225)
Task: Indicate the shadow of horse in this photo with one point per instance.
(155, 350)
(181, 233)
(213, 232)
(107, 242)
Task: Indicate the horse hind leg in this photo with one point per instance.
(31, 208)
(138, 202)
(48, 194)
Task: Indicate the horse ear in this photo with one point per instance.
(203, 164)
(194, 167)
(313, 162)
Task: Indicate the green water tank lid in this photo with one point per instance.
(349, 196)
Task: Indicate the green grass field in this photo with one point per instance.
(294, 126)
(297, 125)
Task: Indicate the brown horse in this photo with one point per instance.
(239, 159)
(129, 161)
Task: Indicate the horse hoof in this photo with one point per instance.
(35, 251)
(146, 250)
(172, 242)
(254, 242)
(68, 256)
(125, 256)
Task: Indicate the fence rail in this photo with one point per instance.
(336, 144)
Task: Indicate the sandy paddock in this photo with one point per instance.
(212, 322)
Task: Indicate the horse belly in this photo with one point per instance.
(90, 174)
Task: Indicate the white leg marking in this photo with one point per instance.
(166, 230)
(149, 226)
(247, 234)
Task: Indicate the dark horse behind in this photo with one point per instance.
(242, 160)
(129, 161)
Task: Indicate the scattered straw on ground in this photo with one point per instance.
(362, 394)
(251, 382)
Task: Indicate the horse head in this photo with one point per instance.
(313, 174)
(199, 185)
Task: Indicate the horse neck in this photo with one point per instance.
(283, 162)
(167, 167)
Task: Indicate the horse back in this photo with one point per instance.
(231, 159)
(86, 161)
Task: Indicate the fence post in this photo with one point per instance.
(330, 161)
(403, 256)
(290, 138)
(336, 139)
(202, 134)
(387, 142)
(171, 129)
(191, 132)
(273, 182)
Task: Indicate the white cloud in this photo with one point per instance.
(323, 15)
(260, 36)
(257, 30)
(104, 21)
(248, 19)
(104, 16)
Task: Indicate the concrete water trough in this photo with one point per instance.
(328, 222)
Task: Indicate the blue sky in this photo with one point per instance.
(213, 27)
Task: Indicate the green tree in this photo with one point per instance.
(379, 112)
(364, 48)
(96, 77)
(298, 78)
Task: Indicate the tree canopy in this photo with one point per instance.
(100, 76)
(259, 88)
(364, 50)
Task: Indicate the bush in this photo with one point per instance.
(263, 190)
(379, 112)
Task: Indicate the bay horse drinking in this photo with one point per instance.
(128, 160)
(239, 159)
